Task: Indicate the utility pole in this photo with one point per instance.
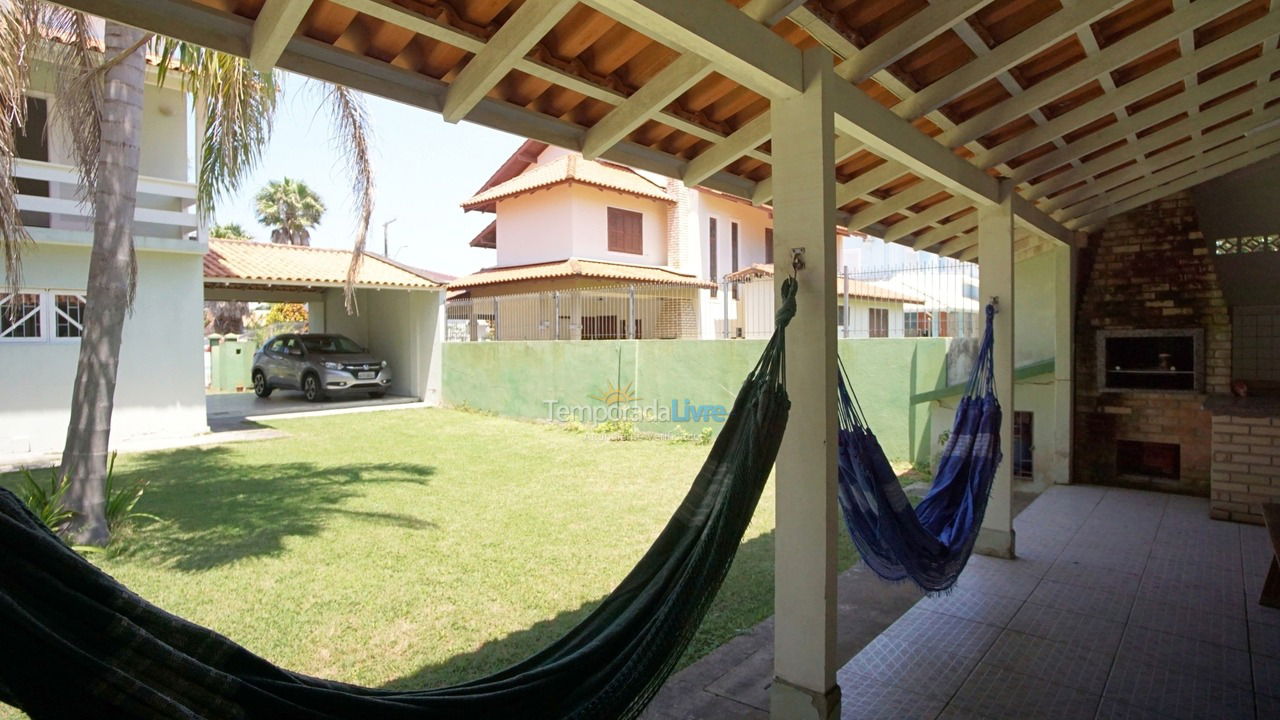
(384, 237)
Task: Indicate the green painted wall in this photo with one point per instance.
(558, 380)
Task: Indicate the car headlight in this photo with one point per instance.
(384, 363)
(333, 365)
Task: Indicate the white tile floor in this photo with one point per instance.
(1122, 604)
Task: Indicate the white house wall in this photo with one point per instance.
(535, 227)
(590, 212)
(160, 389)
(399, 326)
(164, 152)
(752, 223)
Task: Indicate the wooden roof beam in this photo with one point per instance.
(1088, 214)
(1135, 90)
(1074, 76)
(1155, 114)
(277, 22)
(908, 35)
(526, 26)
(868, 216)
(1226, 134)
(737, 46)
(1244, 102)
(931, 215)
(404, 17)
(667, 85)
(1004, 56)
(1246, 158)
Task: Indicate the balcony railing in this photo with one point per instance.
(166, 208)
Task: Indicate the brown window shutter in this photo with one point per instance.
(626, 229)
(768, 245)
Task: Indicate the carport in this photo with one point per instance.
(398, 313)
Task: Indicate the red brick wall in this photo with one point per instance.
(1148, 269)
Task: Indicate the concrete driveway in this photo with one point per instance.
(230, 411)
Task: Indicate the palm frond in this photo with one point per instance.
(351, 122)
(19, 38)
(80, 77)
(237, 106)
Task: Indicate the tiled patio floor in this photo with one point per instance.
(1122, 604)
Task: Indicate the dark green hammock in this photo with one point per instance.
(76, 643)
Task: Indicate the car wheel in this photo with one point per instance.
(311, 388)
(375, 394)
(260, 386)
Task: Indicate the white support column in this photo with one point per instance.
(1064, 358)
(995, 280)
(805, 662)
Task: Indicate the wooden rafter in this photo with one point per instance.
(277, 22)
(513, 40)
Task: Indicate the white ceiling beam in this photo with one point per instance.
(938, 234)
(667, 85)
(895, 139)
(1153, 115)
(933, 214)
(960, 236)
(754, 133)
(1196, 145)
(662, 89)
(1139, 88)
(867, 182)
(526, 26)
(1004, 56)
(844, 149)
(908, 35)
(1085, 71)
(1241, 103)
(739, 47)
(1203, 175)
(1087, 213)
(419, 23)
(277, 22)
(884, 208)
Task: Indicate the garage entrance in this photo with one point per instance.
(298, 291)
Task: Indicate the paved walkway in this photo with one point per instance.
(235, 410)
(1122, 604)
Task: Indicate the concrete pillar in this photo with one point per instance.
(1063, 359)
(805, 666)
(315, 316)
(995, 279)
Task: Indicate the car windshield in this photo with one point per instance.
(330, 344)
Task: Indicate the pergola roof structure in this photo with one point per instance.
(1089, 107)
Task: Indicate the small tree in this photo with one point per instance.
(291, 209)
(229, 231)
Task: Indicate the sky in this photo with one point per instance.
(423, 168)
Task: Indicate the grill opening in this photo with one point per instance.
(1161, 461)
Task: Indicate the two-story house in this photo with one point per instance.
(595, 250)
(160, 383)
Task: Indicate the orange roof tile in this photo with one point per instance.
(241, 260)
(857, 289)
(568, 168)
(580, 268)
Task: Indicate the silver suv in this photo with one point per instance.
(318, 365)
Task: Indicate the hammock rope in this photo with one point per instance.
(931, 543)
(75, 640)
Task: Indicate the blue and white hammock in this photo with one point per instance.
(930, 543)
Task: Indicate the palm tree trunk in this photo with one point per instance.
(111, 274)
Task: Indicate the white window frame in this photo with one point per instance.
(53, 296)
(47, 312)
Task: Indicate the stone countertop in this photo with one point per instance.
(1252, 406)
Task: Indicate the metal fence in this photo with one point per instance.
(937, 299)
(618, 312)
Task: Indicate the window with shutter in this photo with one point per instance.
(625, 231)
(768, 245)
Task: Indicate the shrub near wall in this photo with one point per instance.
(662, 384)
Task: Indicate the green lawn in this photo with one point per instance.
(415, 548)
